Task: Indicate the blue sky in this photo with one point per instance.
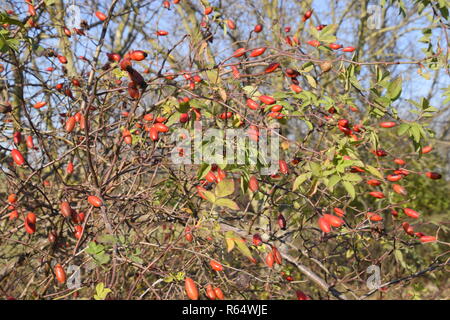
(415, 87)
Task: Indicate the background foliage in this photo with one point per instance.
(135, 246)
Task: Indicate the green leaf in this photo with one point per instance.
(402, 129)
(240, 243)
(431, 109)
(204, 169)
(213, 76)
(379, 73)
(329, 172)
(332, 181)
(315, 169)
(307, 67)
(97, 251)
(299, 180)
(382, 102)
(395, 88)
(415, 132)
(209, 196)
(374, 171)
(250, 90)
(106, 238)
(374, 139)
(350, 189)
(223, 202)
(314, 32)
(224, 188)
(94, 248)
(135, 257)
(5, 18)
(6, 42)
(356, 83)
(352, 177)
(343, 164)
(102, 258)
(327, 39)
(328, 30)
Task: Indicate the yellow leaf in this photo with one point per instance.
(224, 188)
(229, 239)
(223, 94)
(187, 210)
(243, 247)
(312, 82)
